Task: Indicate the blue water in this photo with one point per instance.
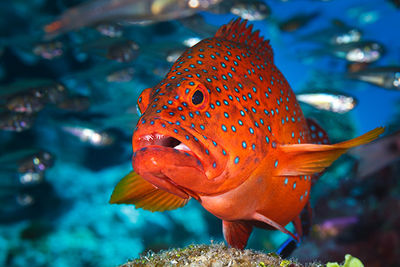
(69, 222)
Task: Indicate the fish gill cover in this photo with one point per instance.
(71, 73)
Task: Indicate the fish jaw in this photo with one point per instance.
(161, 165)
(169, 160)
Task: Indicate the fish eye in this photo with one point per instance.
(197, 97)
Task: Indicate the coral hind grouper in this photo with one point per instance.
(224, 128)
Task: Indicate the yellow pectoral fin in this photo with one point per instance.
(133, 189)
(307, 159)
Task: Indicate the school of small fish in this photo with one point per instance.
(219, 118)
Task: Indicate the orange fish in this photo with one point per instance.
(224, 127)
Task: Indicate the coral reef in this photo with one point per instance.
(210, 255)
(216, 255)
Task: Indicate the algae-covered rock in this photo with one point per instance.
(214, 255)
(219, 255)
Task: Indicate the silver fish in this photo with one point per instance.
(33, 99)
(251, 10)
(53, 93)
(364, 51)
(89, 135)
(124, 75)
(350, 36)
(338, 33)
(24, 103)
(24, 167)
(17, 122)
(125, 51)
(111, 30)
(37, 162)
(50, 50)
(359, 52)
(30, 178)
(387, 77)
(331, 102)
(13, 179)
(24, 199)
(95, 11)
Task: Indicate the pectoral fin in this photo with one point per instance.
(307, 159)
(133, 189)
(237, 233)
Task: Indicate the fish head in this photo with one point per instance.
(195, 135)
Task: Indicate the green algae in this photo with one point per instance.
(349, 261)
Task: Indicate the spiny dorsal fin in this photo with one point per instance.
(237, 31)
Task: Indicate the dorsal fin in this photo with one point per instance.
(318, 135)
(237, 31)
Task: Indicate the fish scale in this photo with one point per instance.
(224, 127)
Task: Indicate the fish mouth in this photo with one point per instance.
(165, 141)
(170, 157)
(168, 135)
(158, 139)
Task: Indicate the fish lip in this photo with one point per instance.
(196, 147)
(164, 137)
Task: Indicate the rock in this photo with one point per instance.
(214, 255)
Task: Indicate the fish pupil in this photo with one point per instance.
(197, 97)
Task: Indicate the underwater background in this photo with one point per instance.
(68, 110)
